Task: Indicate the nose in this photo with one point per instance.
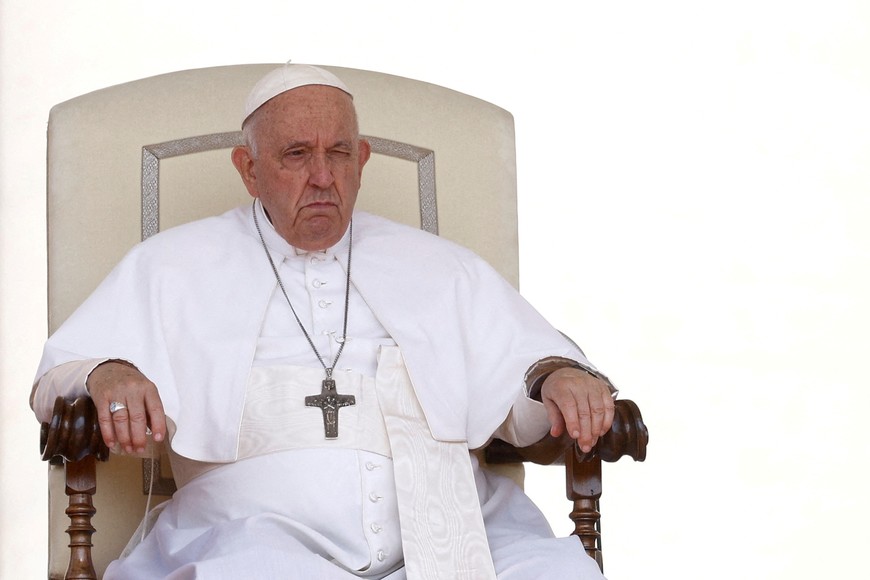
(320, 171)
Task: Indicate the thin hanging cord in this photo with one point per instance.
(145, 527)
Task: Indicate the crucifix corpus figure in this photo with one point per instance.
(330, 402)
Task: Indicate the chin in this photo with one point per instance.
(313, 239)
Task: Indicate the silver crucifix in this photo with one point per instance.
(329, 402)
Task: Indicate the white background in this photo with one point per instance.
(694, 198)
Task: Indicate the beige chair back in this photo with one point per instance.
(130, 160)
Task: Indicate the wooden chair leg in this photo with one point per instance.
(72, 437)
(81, 484)
(583, 480)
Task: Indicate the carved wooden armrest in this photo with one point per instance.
(72, 438)
(628, 436)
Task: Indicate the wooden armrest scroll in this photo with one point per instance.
(73, 432)
(72, 438)
(628, 436)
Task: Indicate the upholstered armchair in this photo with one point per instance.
(146, 155)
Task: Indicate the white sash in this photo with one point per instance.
(443, 535)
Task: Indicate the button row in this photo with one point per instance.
(376, 528)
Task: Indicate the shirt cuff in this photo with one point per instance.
(68, 380)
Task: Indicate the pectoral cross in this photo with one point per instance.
(329, 402)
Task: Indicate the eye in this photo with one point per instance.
(340, 152)
(295, 153)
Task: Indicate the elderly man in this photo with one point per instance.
(320, 375)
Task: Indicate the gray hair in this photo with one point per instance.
(248, 135)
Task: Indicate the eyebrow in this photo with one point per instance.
(340, 143)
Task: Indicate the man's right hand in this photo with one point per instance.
(119, 381)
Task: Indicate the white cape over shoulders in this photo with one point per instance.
(186, 306)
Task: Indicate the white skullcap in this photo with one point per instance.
(286, 78)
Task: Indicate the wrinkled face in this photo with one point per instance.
(304, 161)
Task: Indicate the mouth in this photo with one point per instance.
(319, 208)
(319, 204)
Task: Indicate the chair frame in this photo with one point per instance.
(72, 438)
(201, 121)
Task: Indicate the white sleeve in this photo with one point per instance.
(68, 380)
(526, 424)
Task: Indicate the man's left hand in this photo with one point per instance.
(578, 403)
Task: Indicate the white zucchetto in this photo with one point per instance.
(286, 78)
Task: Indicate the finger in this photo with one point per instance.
(156, 416)
(602, 409)
(107, 427)
(577, 422)
(571, 415)
(104, 417)
(564, 388)
(564, 413)
(609, 413)
(601, 412)
(597, 412)
(554, 415)
(121, 424)
(585, 438)
(138, 424)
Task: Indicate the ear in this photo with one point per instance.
(244, 162)
(365, 152)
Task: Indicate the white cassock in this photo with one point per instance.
(280, 500)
